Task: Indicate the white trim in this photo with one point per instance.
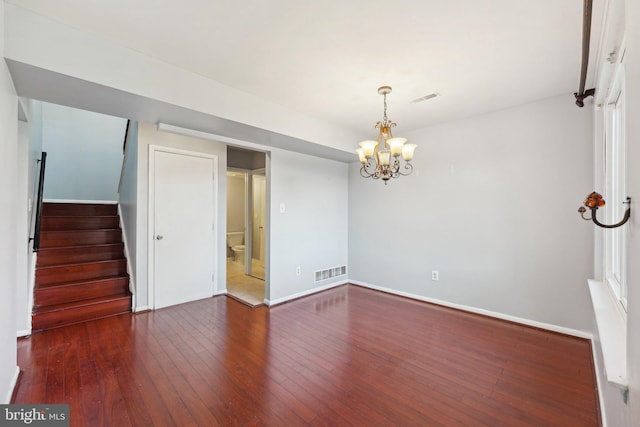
(163, 127)
(23, 332)
(141, 308)
(248, 231)
(132, 283)
(612, 330)
(97, 202)
(12, 386)
(528, 322)
(32, 285)
(220, 292)
(151, 215)
(271, 303)
(599, 385)
(601, 12)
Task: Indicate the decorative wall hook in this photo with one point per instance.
(593, 202)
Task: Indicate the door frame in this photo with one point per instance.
(151, 285)
(247, 210)
(259, 172)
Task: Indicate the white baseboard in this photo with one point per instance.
(220, 292)
(23, 333)
(528, 322)
(99, 202)
(141, 308)
(12, 386)
(271, 303)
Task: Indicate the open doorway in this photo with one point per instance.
(246, 225)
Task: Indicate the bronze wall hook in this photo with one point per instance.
(593, 202)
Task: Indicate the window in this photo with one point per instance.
(615, 188)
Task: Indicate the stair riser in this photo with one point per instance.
(80, 314)
(86, 290)
(68, 273)
(64, 223)
(60, 256)
(79, 238)
(80, 209)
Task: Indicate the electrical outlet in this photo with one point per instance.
(298, 272)
(435, 275)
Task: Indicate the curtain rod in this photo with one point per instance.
(586, 39)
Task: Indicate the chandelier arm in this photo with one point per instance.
(364, 173)
(409, 167)
(364, 170)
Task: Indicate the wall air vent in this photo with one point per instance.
(330, 273)
(426, 97)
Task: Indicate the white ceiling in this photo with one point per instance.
(327, 58)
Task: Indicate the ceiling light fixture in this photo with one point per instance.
(381, 159)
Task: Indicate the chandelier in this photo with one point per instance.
(381, 159)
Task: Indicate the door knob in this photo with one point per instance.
(159, 237)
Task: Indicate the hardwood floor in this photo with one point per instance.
(347, 356)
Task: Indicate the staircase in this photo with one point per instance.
(81, 272)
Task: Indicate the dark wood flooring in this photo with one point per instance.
(347, 356)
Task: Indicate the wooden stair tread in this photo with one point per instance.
(60, 293)
(81, 281)
(49, 257)
(82, 271)
(79, 231)
(80, 216)
(80, 222)
(80, 304)
(59, 315)
(77, 264)
(80, 247)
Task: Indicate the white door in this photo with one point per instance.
(183, 228)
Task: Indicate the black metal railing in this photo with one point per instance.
(126, 134)
(36, 233)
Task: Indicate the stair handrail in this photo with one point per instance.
(126, 134)
(36, 233)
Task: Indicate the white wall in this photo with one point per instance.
(148, 135)
(491, 206)
(29, 150)
(84, 153)
(23, 321)
(312, 232)
(128, 201)
(8, 214)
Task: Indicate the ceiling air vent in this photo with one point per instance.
(426, 97)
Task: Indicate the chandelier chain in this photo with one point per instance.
(384, 117)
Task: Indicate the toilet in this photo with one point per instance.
(235, 240)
